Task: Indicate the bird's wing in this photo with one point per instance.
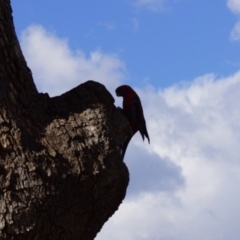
(138, 118)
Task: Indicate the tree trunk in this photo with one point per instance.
(61, 174)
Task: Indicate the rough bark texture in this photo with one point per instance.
(61, 174)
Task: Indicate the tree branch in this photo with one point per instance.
(61, 174)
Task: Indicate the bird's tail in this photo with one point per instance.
(144, 133)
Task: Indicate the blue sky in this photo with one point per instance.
(174, 42)
(182, 57)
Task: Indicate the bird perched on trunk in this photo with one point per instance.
(133, 111)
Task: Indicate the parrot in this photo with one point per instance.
(133, 111)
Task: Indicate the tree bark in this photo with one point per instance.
(61, 174)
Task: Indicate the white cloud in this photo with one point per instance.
(136, 24)
(107, 25)
(153, 5)
(194, 126)
(234, 5)
(185, 184)
(235, 34)
(56, 68)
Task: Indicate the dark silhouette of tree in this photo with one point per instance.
(61, 174)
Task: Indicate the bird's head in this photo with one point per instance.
(121, 91)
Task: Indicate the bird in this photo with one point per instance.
(133, 111)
